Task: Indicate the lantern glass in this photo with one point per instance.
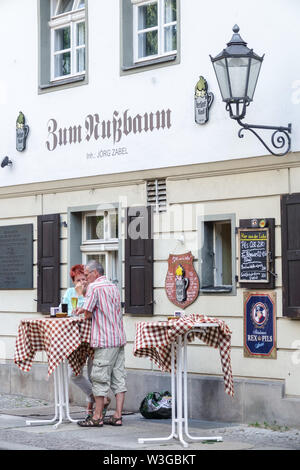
(222, 77)
(238, 74)
(253, 76)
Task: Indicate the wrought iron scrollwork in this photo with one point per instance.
(280, 138)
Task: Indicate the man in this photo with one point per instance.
(103, 306)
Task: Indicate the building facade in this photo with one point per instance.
(108, 92)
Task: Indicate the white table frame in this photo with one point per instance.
(61, 397)
(180, 412)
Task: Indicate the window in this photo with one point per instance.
(100, 240)
(62, 43)
(217, 254)
(155, 29)
(67, 27)
(149, 33)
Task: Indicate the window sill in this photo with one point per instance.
(148, 63)
(216, 290)
(66, 81)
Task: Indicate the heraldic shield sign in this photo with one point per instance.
(182, 283)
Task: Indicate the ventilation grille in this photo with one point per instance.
(157, 195)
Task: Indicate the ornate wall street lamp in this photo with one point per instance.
(237, 69)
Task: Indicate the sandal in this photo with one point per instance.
(113, 421)
(91, 423)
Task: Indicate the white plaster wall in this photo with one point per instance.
(203, 31)
(181, 218)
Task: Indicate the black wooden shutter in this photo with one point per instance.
(48, 262)
(139, 261)
(290, 236)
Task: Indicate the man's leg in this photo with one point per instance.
(120, 397)
(118, 384)
(100, 377)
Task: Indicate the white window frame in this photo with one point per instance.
(68, 19)
(160, 28)
(107, 246)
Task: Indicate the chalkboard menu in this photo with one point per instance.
(16, 257)
(254, 254)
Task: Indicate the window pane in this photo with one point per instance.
(170, 38)
(80, 34)
(95, 227)
(64, 6)
(170, 11)
(148, 44)
(238, 71)
(226, 254)
(80, 54)
(147, 16)
(62, 64)
(113, 225)
(100, 258)
(81, 4)
(62, 39)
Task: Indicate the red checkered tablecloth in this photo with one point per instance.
(154, 340)
(61, 338)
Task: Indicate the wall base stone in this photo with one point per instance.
(254, 401)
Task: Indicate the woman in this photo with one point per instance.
(79, 281)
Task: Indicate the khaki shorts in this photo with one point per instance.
(108, 371)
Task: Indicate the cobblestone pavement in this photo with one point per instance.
(15, 409)
(17, 401)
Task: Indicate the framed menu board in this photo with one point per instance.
(254, 255)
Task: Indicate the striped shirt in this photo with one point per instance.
(103, 300)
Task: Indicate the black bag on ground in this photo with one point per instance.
(157, 405)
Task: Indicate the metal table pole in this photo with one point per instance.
(185, 394)
(180, 394)
(61, 397)
(173, 393)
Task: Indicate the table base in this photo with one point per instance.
(179, 396)
(61, 398)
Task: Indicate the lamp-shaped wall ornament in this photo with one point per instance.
(237, 69)
(22, 131)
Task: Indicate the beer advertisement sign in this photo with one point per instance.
(259, 325)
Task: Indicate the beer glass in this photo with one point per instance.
(74, 301)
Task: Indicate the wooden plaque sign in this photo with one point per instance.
(253, 255)
(182, 283)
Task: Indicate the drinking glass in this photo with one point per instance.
(74, 301)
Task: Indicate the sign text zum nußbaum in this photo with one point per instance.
(115, 129)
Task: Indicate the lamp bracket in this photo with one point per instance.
(280, 138)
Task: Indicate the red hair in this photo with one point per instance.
(76, 269)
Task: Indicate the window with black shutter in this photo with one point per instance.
(290, 235)
(48, 262)
(139, 261)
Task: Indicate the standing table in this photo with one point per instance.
(66, 341)
(166, 344)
